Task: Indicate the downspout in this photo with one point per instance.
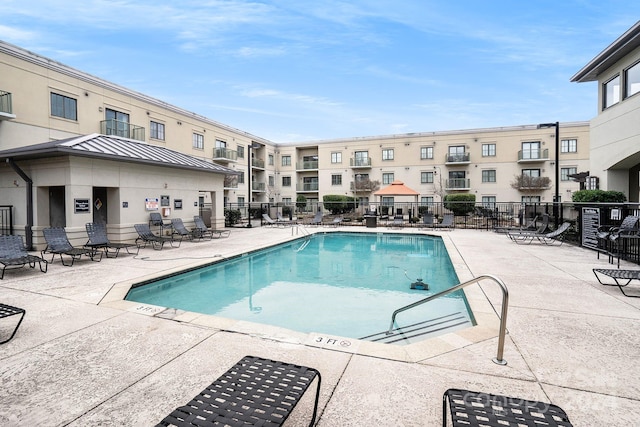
(27, 229)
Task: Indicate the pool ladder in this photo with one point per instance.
(503, 316)
(299, 230)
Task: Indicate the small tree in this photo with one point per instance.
(460, 204)
(338, 204)
(301, 203)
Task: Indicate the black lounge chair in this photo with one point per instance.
(146, 236)
(398, 221)
(178, 227)
(58, 244)
(471, 408)
(529, 226)
(8, 311)
(522, 234)
(611, 238)
(546, 238)
(156, 220)
(13, 254)
(427, 220)
(317, 219)
(202, 228)
(282, 220)
(270, 222)
(97, 232)
(618, 276)
(447, 222)
(253, 392)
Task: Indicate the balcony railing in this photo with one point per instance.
(222, 153)
(308, 186)
(361, 163)
(457, 158)
(533, 155)
(231, 181)
(123, 129)
(258, 186)
(533, 183)
(364, 186)
(257, 163)
(310, 164)
(458, 184)
(6, 108)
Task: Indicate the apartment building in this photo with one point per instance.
(615, 131)
(43, 101)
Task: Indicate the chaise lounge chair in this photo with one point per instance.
(529, 226)
(202, 228)
(146, 236)
(58, 244)
(8, 311)
(13, 254)
(471, 408)
(178, 227)
(618, 275)
(546, 238)
(282, 220)
(253, 392)
(317, 219)
(270, 222)
(522, 234)
(398, 221)
(97, 232)
(427, 221)
(447, 222)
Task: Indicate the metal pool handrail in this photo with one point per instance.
(503, 316)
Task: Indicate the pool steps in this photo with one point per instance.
(404, 334)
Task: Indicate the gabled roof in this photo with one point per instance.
(608, 57)
(396, 188)
(113, 148)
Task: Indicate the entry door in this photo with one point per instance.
(57, 213)
(100, 204)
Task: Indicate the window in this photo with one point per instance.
(426, 200)
(241, 179)
(489, 202)
(272, 181)
(387, 154)
(270, 159)
(63, 106)
(387, 201)
(611, 92)
(286, 181)
(240, 150)
(426, 177)
(632, 80)
(157, 130)
(198, 141)
(286, 160)
(457, 179)
(286, 201)
(489, 175)
(361, 158)
(530, 199)
(533, 173)
(457, 154)
(336, 179)
(569, 146)
(387, 178)
(241, 201)
(565, 172)
(117, 123)
(531, 150)
(426, 153)
(488, 150)
(336, 157)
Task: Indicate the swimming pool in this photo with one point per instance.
(339, 283)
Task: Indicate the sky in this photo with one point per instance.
(306, 70)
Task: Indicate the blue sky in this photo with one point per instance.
(292, 71)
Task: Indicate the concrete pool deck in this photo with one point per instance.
(80, 359)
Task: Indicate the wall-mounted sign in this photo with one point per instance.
(164, 201)
(151, 204)
(125, 204)
(177, 203)
(81, 205)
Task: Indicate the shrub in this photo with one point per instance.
(600, 196)
(301, 203)
(338, 204)
(231, 217)
(460, 204)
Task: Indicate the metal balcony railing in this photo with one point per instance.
(361, 163)
(308, 186)
(225, 154)
(458, 184)
(533, 155)
(257, 163)
(258, 186)
(123, 129)
(310, 164)
(457, 158)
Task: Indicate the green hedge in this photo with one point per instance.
(338, 204)
(600, 196)
(460, 204)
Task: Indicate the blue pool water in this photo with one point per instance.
(345, 284)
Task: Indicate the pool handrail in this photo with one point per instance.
(503, 316)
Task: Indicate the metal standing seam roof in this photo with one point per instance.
(114, 148)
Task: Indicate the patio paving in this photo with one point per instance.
(82, 359)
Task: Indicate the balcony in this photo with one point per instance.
(6, 110)
(258, 186)
(365, 186)
(123, 129)
(257, 163)
(457, 158)
(230, 182)
(308, 165)
(532, 156)
(307, 187)
(361, 163)
(458, 184)
(222, 154)
(532, 183)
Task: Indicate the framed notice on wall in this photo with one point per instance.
(151, 203)
(81, 206)
(177, 203)
(164, 201)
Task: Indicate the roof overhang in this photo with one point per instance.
(608, 57)
(109, 147)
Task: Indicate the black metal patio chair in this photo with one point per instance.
(8, 311)
(13, 254)
(98, 239)
(255, 391)
(58, 244)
